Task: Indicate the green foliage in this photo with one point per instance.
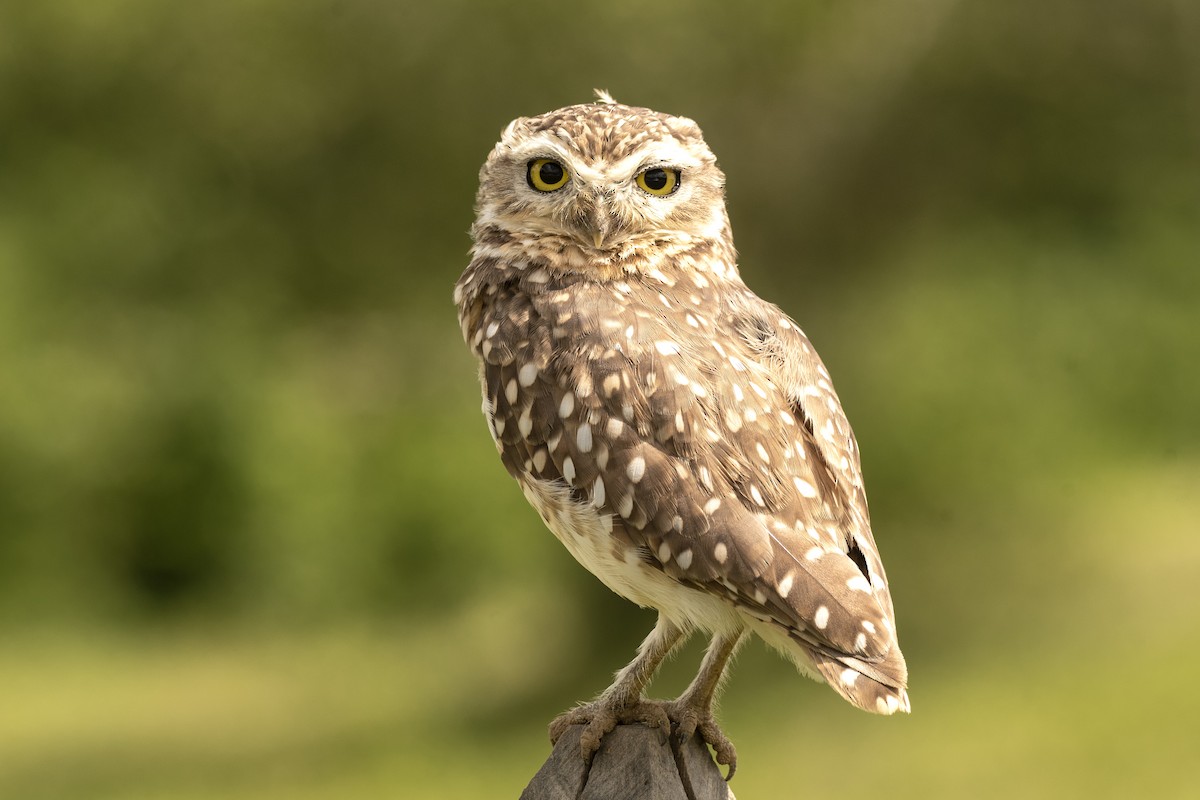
(255, 542)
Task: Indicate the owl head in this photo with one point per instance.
(601, 181)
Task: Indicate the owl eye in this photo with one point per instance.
(547, 175)
(659, 181)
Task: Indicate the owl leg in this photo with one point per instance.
(692, 711)
(623, 701)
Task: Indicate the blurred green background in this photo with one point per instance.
(255, 541)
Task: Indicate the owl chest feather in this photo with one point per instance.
(594, 539)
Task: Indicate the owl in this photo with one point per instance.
(678, 434)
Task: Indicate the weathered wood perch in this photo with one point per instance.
(634, 762)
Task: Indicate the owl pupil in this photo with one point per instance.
(656, 179)
(551, 173)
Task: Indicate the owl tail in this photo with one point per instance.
(878, 688)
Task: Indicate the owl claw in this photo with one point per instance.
(688, 719)
(684, 719)
(600, 719)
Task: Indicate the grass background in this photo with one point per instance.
(255, 542)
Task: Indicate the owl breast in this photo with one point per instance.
(597, 540)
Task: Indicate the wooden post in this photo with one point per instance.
(634, 762)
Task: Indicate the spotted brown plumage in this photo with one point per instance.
(679, 434)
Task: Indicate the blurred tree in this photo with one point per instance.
(174, 510)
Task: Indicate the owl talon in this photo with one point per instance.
(689, 719)
(601, 718)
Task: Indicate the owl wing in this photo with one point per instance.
(578, 395)
(781, 350)
(778, 344)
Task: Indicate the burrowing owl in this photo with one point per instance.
(676, 432)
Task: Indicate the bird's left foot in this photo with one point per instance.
(689, 718)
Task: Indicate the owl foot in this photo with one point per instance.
(600, 718)
(689, 718)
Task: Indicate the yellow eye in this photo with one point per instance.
(659, 181)
(547, 175)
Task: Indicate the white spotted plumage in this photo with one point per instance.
(677, 433)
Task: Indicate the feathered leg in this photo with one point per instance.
(692, 710)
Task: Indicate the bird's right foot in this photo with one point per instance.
(601, 717)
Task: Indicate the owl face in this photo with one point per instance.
(603, 178)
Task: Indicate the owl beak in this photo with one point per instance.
(597, 230)
(595, 220)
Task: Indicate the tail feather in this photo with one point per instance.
(878, 688)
